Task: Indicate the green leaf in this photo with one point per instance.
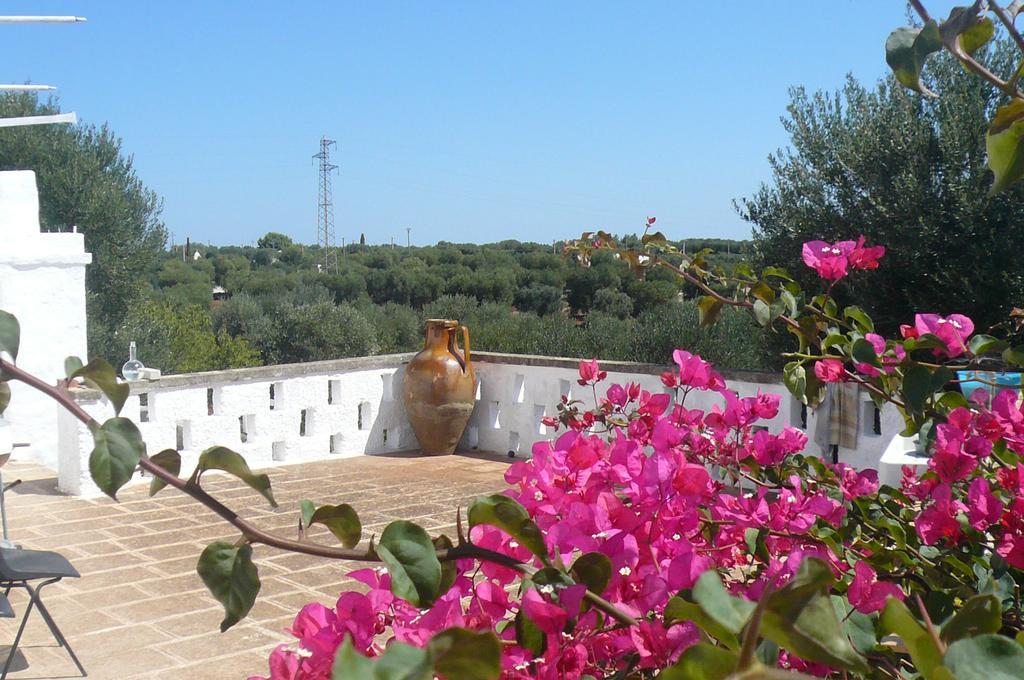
(10, 334)
(71, 365)
(726, 610)
(709, 309)
(448, 570)
(1014, 355)
(400, 661)
(863, 352)
(897, 619)
(508, 515)
(762, 313)
(528, 635)
(350, 664)
(679, 610)
(592, 569)
(117, 447)
(777, 272)
(223, 458)
(800, 617)
(412, 561)
(1003, 141)
(906, 51)
(860, 628)
(794, 376)
(307, 509)
(980, 614)
(5, 396)
(917, 387)
(977, 35)
(985, 657)
(460, 654)
(169, 460)
(789, 300)
(986, 344)
(861, 319)
(100, 375)
(232, 578)
(341, 520)
(702, 661)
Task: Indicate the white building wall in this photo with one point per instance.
(42, 282)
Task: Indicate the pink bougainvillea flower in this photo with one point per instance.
(855, 484)
(591, 373)
(983, 509)
(938, 521)
(889, 360)
(867, 594)
(953, 330)
(950, 461)
(617, 396)
(862, 257)
(830, 260)
(692, 480)
(548, 617)
(695, 372)
(830, 370)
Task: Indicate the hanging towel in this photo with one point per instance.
(837, 422)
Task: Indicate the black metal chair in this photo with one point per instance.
(17, 569)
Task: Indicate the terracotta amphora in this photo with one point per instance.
(440, 388)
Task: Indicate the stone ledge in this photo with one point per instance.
(762, 377)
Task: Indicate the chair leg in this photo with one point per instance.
(57, 634)
(17, 639)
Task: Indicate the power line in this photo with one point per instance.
(325, 202)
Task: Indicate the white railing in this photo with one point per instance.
(295, 413)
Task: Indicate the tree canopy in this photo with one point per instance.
(907, 171)
(87, 181)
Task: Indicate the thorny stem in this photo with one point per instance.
(967, 60)
(1007, 21)
(256, 535)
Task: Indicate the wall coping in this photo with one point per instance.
(350, 364)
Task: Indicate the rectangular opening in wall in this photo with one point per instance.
(276, 396)
(336, 442)
(496, 415)
(333, 391)
(209, 401)
(384, 432)
(246, 427)
(519, 393)
(797, 414)
(538, 416)
(306, 423)
(183, 435)
(513, 443)
(364, 416)
(143, 408)
(565, 388)
(870, 419)
(278, 451)
(388, 386)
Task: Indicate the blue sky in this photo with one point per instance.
(474, 121)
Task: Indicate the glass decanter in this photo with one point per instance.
(132, 368)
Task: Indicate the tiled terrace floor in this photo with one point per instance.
(141, 611)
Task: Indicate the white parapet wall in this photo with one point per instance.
(272, 415)
(42, 282)
(516, 391)
(277, 415)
